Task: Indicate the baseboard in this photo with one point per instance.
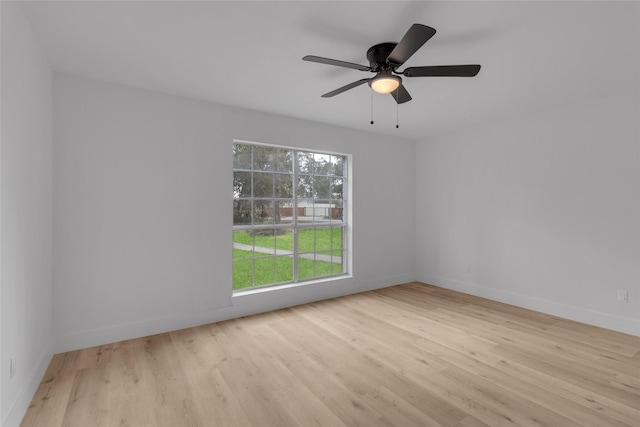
(242, 305)
(595, 318)
(21, 403)
(384, 282)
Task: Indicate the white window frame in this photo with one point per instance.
(296, 225)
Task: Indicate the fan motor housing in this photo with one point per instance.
(378, 54)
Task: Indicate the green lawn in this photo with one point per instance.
(323, 239)
(279, 269)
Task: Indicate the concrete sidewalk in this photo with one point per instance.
(282, 252)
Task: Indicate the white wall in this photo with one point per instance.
(142, 210)
(545, 210)
(26, 214)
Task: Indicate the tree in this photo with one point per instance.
(261, 175)
(320, 176)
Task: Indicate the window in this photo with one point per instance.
(289, 215)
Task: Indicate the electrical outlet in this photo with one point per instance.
(623, 296)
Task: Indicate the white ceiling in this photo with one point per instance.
(534, 55)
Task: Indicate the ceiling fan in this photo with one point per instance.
(385, 59)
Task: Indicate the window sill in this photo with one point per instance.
(262, 289)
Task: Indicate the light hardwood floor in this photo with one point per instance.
(409, 355)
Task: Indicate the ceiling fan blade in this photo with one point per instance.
(328, 61)
(443, 71)
(413, 40)
(344, 88)
(401, 95)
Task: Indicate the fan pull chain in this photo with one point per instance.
(371, 107)
(397, 125)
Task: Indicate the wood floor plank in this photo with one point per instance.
(586, 377)
(200, 357)
(306, 408)
(169, 391)
(255, 397)
(608, 407)
(491, 403)
(359, 372)
(337, 361)
(49, 403)
(88, 399)
(335, 396)
(399, 411)
(408, 355)
(373, 337)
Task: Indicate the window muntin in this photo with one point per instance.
(289, 215)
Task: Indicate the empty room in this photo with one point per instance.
(319, 213)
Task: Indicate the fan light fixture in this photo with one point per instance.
(385, 83)
(385, 59)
